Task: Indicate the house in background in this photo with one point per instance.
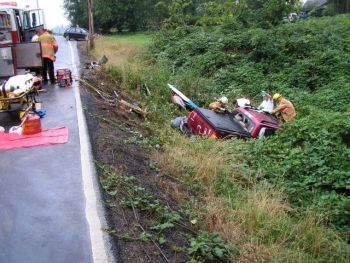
(312, 4)
(327, 7)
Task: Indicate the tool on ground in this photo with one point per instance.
(31, 124)
(64, 77)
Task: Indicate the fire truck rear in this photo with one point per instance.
(17, 27)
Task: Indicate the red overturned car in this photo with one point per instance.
(241, 123)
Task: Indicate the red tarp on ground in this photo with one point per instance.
(9, 141)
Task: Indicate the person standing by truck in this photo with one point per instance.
(219, 105)
(284, 107)
(49, 48)
(241, 102)
(267, 103)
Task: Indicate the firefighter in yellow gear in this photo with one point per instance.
(220, 105)
(49, 48)
(284, 107)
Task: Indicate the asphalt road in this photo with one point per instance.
(50, 209)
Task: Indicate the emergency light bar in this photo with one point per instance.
(8, 3)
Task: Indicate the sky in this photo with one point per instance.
(53, 9)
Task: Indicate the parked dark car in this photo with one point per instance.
(76, 33)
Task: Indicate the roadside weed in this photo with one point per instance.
(128, 194)
(209, 246)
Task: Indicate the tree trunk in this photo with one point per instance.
(91, 24)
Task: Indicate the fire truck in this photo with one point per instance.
(17, 27)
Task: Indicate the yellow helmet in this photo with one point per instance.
(277, 96)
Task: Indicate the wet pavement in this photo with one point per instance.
(44, 216)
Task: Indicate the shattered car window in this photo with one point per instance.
(244, 121)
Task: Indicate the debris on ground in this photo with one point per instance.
(143, 215)
(110, 96)
(96, 64)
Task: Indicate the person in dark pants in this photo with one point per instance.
(49, 48)
(48, 67)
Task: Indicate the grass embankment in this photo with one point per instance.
(119, 49)
(254, 215)
(234, 190)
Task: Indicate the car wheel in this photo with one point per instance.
(67, 38)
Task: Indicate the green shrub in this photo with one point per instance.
(309, 63)
(311, 161)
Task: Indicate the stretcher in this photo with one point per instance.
(22, 99)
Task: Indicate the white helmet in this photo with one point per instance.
(223, 100)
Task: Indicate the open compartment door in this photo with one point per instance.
(28, 55)
(32, 19)
(7, 67)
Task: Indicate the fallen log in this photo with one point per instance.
(132, 107)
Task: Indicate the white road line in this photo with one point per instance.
(99, 240)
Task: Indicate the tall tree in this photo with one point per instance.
(341, 6)
(77, 12)
(265, 13)
(133, 15)
(120, 15)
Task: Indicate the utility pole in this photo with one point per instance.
(91, 25)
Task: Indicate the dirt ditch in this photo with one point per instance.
(135, 202)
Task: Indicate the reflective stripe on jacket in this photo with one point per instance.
(287, 110)
(49, 46)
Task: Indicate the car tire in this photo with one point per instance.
(67, 38)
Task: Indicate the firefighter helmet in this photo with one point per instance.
(223, 100)
(277, 96)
